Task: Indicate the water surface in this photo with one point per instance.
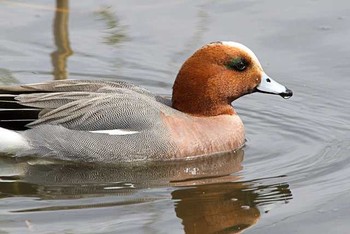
(292, 176)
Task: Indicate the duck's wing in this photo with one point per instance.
(80, 105)
(72, 85)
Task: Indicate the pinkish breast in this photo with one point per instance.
(194, 136)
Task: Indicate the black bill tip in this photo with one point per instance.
(287, 94)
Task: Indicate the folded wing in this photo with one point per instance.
(81, 105)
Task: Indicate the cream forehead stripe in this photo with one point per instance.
(244, 48)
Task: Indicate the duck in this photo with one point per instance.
(104, 121)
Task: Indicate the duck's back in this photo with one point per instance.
(87, 120)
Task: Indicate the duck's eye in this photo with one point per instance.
(238, 64)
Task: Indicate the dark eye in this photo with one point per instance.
(238, 64)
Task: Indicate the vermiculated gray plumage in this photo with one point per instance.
(67, 110)
(57, 142)
(68, 103)
(104, 111)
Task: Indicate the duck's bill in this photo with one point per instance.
(268, 85)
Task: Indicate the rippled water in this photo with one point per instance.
(292, 176)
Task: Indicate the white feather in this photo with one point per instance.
(12, 142)
(115, 132)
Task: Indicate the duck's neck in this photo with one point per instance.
(198, 102)
(202, 109)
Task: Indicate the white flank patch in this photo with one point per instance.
(244, 48)
(115, 132)
(11, 141)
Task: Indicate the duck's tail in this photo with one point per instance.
(12, 142)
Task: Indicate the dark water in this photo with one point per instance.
(292, 176)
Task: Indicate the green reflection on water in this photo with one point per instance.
(115, 32)
(6, 77)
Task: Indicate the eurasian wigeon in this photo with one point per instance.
(113, 121)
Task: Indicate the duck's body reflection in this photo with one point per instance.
(207, 195)
(213, 208)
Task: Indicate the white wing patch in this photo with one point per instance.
(115, 132)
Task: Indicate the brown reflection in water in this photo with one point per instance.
(208, 196)
(217, 208)
(228, 207)
(60, 30)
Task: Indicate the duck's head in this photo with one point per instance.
(216, 75)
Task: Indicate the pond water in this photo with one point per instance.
(291, 177)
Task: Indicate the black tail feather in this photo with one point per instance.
(15, 116)
(15, 125)
(18, 114)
